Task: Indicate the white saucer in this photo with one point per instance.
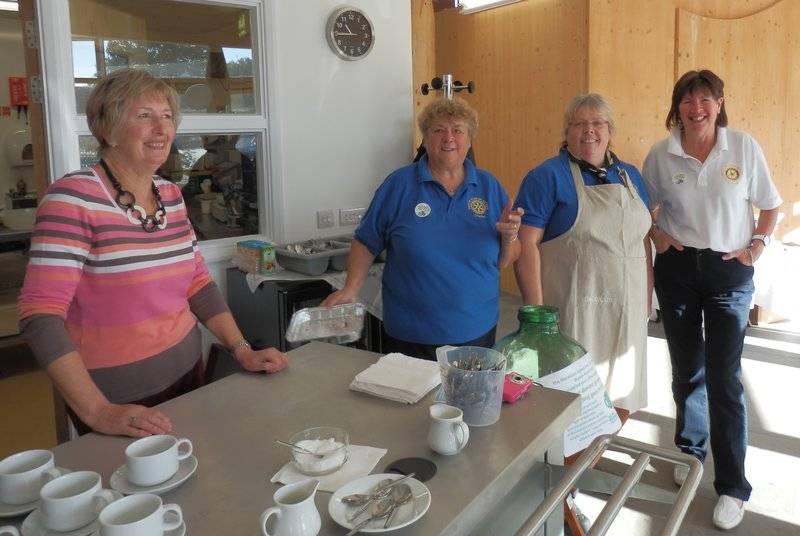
(34, 526)
(180, 531)
(13, 510)
(406, 514)
(119, 480)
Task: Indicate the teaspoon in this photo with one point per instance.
(298, 447)
(378, 510)
(377, 493)
(400, 495)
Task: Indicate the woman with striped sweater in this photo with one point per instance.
(116, 283)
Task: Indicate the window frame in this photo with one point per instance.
(64, 125)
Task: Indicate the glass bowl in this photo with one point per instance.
(333, 443)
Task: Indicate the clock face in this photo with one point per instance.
(350, 33)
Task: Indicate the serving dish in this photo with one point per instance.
(337, 325)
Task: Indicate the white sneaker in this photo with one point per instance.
(679, 474)
(728, 512)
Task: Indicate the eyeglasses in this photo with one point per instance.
(595, 125)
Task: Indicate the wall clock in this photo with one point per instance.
(350, 33)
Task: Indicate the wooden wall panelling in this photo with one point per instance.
(527, 60)
(630, 53)
(760, 89)
(423, 57)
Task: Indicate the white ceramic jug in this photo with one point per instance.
(295, 511)
(448, 433)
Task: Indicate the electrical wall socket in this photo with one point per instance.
(324, 219)
(351, 216)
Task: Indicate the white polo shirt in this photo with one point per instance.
(709, 204)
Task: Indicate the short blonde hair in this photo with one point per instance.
(113, 94)
(454, 108)
(594, 102)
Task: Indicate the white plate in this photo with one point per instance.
(13, 510)
(405, 515)
(119, 480)
(34, 526)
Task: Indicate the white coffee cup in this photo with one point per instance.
(73, 500)
(154, 459)
(143, 514)
(23, 474)
(8, 530)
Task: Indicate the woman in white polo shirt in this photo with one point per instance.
(705, 180)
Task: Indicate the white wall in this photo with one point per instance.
(338, 127)
(12, 63)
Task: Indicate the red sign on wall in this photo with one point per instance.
(18, 90)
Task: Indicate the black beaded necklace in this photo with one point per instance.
(136, 213)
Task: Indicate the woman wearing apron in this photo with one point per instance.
(584, 248)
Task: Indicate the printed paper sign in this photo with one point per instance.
(18, 90)
(597, 416)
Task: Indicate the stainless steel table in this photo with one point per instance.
(233, 423)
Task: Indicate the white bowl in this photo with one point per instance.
(332, 442)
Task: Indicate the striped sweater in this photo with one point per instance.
(122, 297)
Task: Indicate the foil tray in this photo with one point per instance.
(339, 324)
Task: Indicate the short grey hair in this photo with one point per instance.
(593, 101)
(444, 108)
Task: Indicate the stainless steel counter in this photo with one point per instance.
(233, 423)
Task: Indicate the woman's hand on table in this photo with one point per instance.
(663, 240)
(509, 222)
(268, 360)
(130, 420)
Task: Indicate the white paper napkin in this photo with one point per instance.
(398, 377)
(361, 462)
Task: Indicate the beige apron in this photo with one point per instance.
(596, 275)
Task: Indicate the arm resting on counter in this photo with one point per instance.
(56, 354)
(224, 327)
(528, 267)
(358, 264)
(87, 401)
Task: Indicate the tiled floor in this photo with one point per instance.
(771, 373)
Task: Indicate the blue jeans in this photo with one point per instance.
(704, 304)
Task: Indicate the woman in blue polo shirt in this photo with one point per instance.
(447, 228)
(585, 248)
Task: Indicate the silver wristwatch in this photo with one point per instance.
(765, 239)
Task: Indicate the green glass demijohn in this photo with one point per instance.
(538, 348)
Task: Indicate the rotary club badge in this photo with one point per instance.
(679, 178)
(478, 206)
(422, 210)
(731, 172)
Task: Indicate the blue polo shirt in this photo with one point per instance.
(441, 280)
(549, 198)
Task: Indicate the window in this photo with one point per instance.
(210, 52)
(204, 51)
(218, 177)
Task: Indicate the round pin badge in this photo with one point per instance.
(478, 206)
(731, 172)
(679, 178)
(422, 210)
